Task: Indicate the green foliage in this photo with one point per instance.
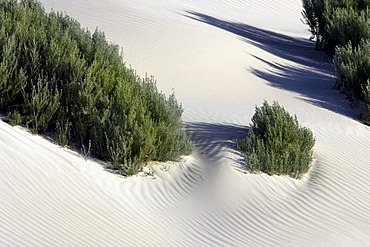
(276, 143)
(40, 104)
(342, 27)
(367, 93)
(63, 131)
(347, 25)
(352, 67)
(365, 116)
(14, 118)
(336, 22)
(12, 78)
(313, 14)
(58, 77)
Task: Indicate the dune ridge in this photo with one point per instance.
(221, 58)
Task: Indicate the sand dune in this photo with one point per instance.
(221, 58)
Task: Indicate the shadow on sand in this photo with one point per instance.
(211, 140)
(312, 77)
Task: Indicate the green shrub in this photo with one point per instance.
(14, 118)
(342, 28)
(56, 76)
(336, 22)
(40, 105)
(347, 25)
(313, 14)
(63, 131)
(276, 143)
(367, 92)
(365, 116)
(352, 67)
(12, 78)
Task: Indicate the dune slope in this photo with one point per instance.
(221, 58)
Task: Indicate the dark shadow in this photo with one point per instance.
(312, 85)
(210, 140)
(312, 77)
(293, 49)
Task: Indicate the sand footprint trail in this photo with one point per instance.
(221, 58)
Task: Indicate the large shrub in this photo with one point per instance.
(336, 22)
(352, 67)
(56, 76)
(346, 25)
(276, 143)
(342, 28)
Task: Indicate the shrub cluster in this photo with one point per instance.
(276, 143)
(56, 76)
(352, 67)
(342, 28)
(336, 22)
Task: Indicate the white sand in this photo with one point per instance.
(221, 58)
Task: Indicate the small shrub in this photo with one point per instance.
(14, 118)
(40, 105)
(63, 131)
(365, 116)
(367, 92)
(86, 151)
(276, 143)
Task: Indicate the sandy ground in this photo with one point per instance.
(222, 58)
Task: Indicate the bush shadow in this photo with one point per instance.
(312, 77)
(211, 140)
